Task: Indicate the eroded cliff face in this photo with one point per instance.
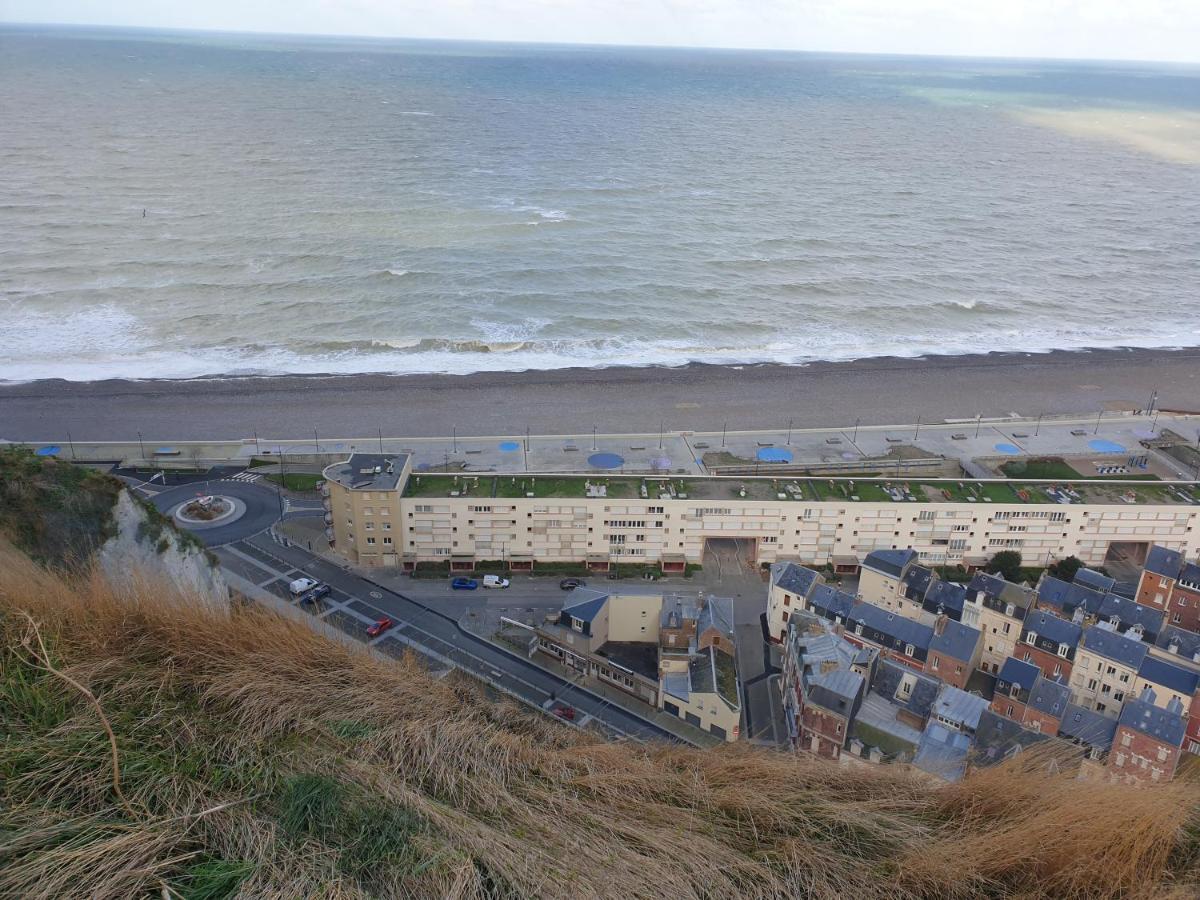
(148, 547)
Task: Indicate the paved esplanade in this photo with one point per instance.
(694, 398)
(1113, 435)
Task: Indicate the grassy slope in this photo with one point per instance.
(54, 511)
(259, 758)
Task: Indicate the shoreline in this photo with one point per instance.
(696, 396)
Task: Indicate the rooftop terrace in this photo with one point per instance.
(870, 490)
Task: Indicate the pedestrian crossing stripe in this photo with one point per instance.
(245, 476)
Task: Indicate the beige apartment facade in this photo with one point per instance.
(430, 525)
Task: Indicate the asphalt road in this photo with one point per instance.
(366, 601)
(263, 508)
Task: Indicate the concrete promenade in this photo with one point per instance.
(1104, 437)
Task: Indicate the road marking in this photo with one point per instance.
(249, 477)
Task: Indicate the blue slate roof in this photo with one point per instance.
(1163, 561)
(956, 705)
(1175, 678)
(830, 601)
(1069, 596)
(1187, 642)
(892, 624)
(1087, 727)
(1190, 574)
(793, 578)
(1018, 672)
(1053, 591)
(837, 691)
(996, 588)
(957, 641)
(1129, 613)
(1160, 724)
(1127, 651)
(889, 562)
(1050, 626)
(924, 691)
(584, 604)
(949, 596)
(942, 752)
(916, 582)
(997, 738)
(1093, 579)
(1050, 697)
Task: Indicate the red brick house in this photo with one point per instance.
(1049, 643)
(1148, 741)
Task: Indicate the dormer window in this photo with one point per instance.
(577, 624)
(1032, 638)
(1010, 610)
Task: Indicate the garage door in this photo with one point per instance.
(692, 719)
(671, 708)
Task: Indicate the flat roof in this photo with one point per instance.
(358, 473)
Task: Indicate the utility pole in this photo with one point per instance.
(72, 445)
(143, 446)
(918, 431)
(454, 439)
(789, 439)
(380, 430)
(1096, 430)
(593, 438)
(855, 438)
(661, 422)
(724, 425)
(1038, 427)
(316, 443)
(978, 419)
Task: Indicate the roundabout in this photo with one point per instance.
(237, 509)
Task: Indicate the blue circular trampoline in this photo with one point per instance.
(1102, 446)
(1008, 449)
(774, 454)
(606, 460)
(52, 450)
(509, 446)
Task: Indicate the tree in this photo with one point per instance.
(1065, 569)
(1006, 564)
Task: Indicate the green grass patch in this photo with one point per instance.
(295, 481)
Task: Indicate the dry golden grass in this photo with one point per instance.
(257, 758)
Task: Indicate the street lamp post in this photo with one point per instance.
(855, 438)
(380, 430)
(142, 446)
(1038, 427)
(72, 445)
(593, 437)
(978, 419)
(724, 425)
(1096, 430)
(789, 438)
(917, 433)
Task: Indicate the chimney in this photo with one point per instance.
(1148, 695)
(1175, 707)
(939, 625)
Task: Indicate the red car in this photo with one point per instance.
(565, 712)
(380, 627)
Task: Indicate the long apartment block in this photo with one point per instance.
(379, 512)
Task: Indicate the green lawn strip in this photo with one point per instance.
(296, 481)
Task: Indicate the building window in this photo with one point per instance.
(1063, 650)
(387, 540)
(909, 649)
(370, 540)
(933, 663)
(1032, 638)
(1126, 739)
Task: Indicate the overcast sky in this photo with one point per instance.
(1097, 29)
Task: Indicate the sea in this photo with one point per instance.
(175, 205)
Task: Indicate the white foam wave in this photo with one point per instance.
(106, 344)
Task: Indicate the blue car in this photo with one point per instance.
(464, 584)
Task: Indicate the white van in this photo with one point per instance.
(300, 585)
(494, 581)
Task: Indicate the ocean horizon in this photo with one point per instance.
(180, 205)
